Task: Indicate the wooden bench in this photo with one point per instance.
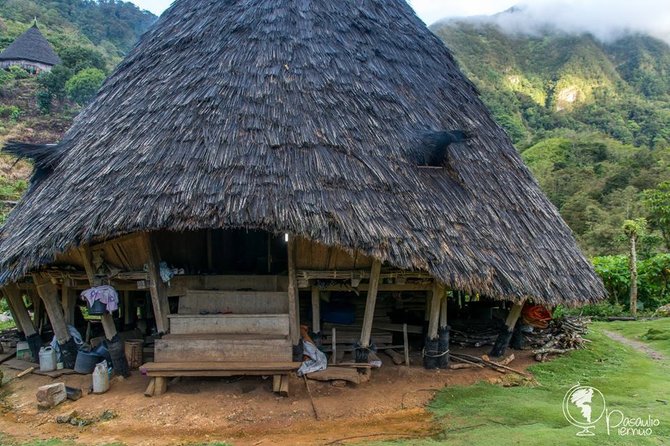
(159, 372)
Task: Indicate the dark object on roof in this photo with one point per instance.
(31, 46)
(436, 144)
(44, 157)
(303, 117)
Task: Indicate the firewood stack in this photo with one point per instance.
(561, 336)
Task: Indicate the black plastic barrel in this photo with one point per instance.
(86, 362)
(431, 353)
(443, 348)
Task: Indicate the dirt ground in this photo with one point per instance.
(241, 411)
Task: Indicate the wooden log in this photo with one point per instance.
(396, 357)
(69, 302)
(316, 310)
(160, 385)
(108, 325)
(370, 302)
(443, 311)
(276, 383)
(293, 300)
(12, 311)
(157, 288)
(49, 295)
(461, 366)
(13, 295)
(336, 373)
(51, 395)
(38, 309)
(435, 303)
(283, 386)
(334, 347)
(405, 344)
(513, 316)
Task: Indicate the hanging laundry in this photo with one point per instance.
(104, 294)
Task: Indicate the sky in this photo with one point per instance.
(606, 19)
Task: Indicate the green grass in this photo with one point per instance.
(655, 333)
(485, 413)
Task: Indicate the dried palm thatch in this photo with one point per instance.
(308, 117)
(31, 46)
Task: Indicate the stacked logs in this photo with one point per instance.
(561, 336)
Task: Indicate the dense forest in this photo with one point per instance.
(592, 121)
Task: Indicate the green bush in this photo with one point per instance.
(11, 112)
(83, 86)
(18, 72)
(653, 279)
(44, 99)
(54, 81)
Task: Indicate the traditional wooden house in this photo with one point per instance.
(30, 51)
(279, 153)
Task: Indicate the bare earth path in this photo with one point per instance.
(641, 346)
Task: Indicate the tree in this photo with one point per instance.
(657, 202)
(83, 86)
(634, 229)
(54, 81)
(78, 58)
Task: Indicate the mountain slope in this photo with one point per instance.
(591, 119)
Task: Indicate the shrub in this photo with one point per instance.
(83, 86)
(44, 99)
(18, 72)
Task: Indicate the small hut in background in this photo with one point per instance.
(254, 166)
(30, 51)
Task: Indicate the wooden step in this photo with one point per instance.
(264, 368)
(222, 348)
(271, 324)
(236, 302)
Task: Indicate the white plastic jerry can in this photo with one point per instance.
(100, 378)
(47, 359)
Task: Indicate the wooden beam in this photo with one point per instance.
(435, 303)
(69, 302)
(293, 300)
(513, 316)
(443, 311)
(49, 295)
(12, 311)
(22, 317)
(107, 318)
(370, 302)
(157, 288)
(37, 309)
(316, 309)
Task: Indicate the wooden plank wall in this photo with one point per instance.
(315, 256)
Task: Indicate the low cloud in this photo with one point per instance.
(605, 19)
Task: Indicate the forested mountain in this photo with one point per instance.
(591, 119)
(91, 37)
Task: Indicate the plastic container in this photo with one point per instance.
(86, 362)
(101, 378)
(23, 351)
(47, 359)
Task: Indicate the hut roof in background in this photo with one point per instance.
(305, 117)
(31, 46)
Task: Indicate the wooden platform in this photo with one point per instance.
(160, 371)
(223, 348)
(262, 324)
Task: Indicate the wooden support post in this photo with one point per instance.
(333, 342)
(370, 302)
(405, 340)
(21, 315)
(107, 318)
(12, 311)
(435, 302)
(37, 309)
(316, 310)
(157, 288)
(128, 313)
(513, 316)
(49, 295)
(69, 302)
(293, 302)
(443, 311)
(160, 385)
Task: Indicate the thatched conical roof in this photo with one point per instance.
(31, 46)
(307, 117)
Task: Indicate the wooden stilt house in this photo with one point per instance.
(275, 156)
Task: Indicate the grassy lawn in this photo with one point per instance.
(654, 333)
(527, 415)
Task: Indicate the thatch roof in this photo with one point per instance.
(309, 118)
(31, 46)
